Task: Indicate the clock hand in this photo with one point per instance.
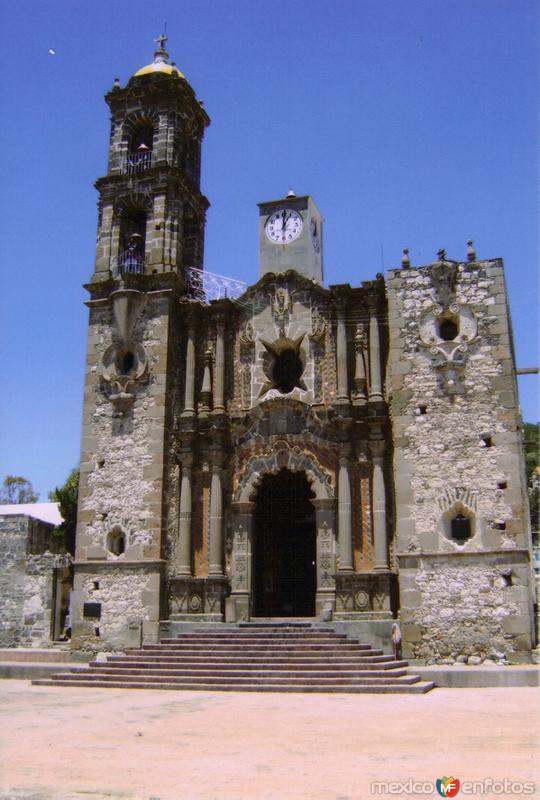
(285, 221)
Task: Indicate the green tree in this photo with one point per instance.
(17, 489)
(531, 441)
(67, 496)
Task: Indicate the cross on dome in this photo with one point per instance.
(161, 39)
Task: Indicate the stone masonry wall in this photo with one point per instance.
(126, 597)
(26, 584)
(457, 444)
(13, 537)
(122, 471)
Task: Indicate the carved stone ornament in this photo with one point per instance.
(124, 362)
(447, 332)
(443, 278)
(281, 306)
(283, 350)
(247, 335)
(318, 324)
(120, 379)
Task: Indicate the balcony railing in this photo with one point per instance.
(137, 162)
(129, 262)
(206, 286)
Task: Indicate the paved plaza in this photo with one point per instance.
(159, 745)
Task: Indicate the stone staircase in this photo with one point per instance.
(251, 658)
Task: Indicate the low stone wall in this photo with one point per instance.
(114, 605)
(470, 610)
(26, 582)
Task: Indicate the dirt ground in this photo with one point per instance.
(161, 745)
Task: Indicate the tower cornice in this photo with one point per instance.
(158, 87)
(158, 178)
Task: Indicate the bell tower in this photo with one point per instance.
(150, 234)
(151, 209)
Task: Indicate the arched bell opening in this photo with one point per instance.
(284, 546)
(138, 145)
(132, 242)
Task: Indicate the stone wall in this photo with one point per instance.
(115, 606)
(124, 464)
(27, 581)
(457, 439)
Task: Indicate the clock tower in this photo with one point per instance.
(290, 237)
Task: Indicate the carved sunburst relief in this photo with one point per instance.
(283, 365)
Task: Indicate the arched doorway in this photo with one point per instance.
(284, 575)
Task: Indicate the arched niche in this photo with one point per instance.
(116, 541)
(459, 523)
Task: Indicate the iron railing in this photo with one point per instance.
(137, 162)
(206, 286)
(129, 262)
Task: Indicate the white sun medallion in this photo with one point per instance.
(284, 226)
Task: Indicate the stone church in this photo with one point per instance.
(347, 454)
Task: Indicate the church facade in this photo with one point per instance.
(288, 450)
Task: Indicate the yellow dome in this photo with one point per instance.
(160, 62)
(158, 66)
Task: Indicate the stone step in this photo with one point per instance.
(297, 658)
(255, 637)
(313, 661)
(263, 680)
(267, 632)
(264, 648)
(283, 625)
(416, 688)
(238, 672)
(239, 663)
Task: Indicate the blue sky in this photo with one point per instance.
(413, 124)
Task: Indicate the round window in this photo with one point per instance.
(287, 371)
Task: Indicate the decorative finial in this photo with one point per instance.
(405, 260)
(471, 252)
(442, 254)
(116, 84)
(291, 193)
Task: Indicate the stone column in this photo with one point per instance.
(375, 382)
(219, 380)
(206, 389)
(379, 506)
(184, 526)
(342, 377)
(325, 522)
(360, 367)
(344, 516)
(155, 233)
(216, 522)
(238, 605)
(104, 252)
(189, 394)
(116, 224)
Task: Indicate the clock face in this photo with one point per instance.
(284, 226)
